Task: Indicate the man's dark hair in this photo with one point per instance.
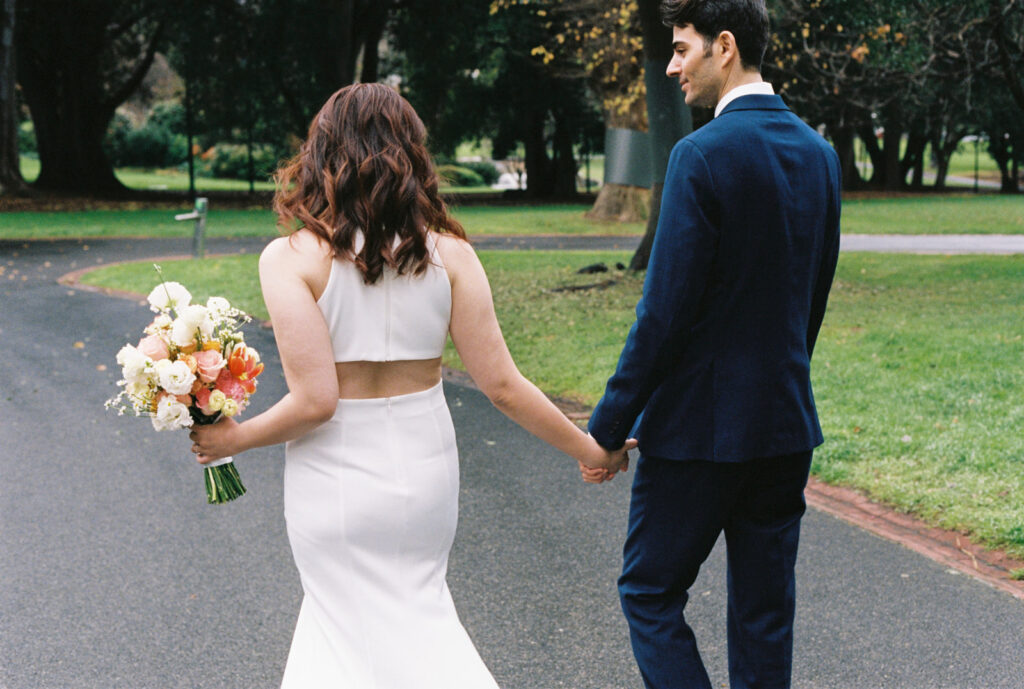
(747, 20)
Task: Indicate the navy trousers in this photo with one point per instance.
(676, 513)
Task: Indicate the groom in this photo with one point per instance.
(717, 365)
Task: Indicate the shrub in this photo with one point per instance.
(487, 171)
(232, 161)
(148, 146)
(459, 176)
(170, 115)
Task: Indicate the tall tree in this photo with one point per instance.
(11, 180)
(668, 116)
(76, 63)
(471, 71)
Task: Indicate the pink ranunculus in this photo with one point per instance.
(210, 365)
(154, 347)
(230, 386)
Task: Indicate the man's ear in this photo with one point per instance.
(725, 46)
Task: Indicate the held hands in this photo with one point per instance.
(601, 465)
(216, 440)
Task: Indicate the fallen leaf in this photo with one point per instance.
(79, 345)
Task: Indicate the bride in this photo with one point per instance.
(362, 297)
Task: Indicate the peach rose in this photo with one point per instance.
(210, 363)
(154, 347)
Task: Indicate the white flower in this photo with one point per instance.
(219, 307)
(140, 393)
(135, 366)
(171, 415)
(174, 376)
(189, 320)
(160, 323)
(169, 295)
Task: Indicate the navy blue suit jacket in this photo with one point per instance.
(718, 361)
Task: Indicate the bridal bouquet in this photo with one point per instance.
(191, 366)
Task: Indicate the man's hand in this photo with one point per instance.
(604, 464)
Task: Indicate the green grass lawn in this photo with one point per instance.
(962, 214)
(478, 220)
(952, 214)
(917, 373)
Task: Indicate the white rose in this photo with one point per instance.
(171, 415)
(169, 295)
(189, 320)
(134, 364)
(174, 376)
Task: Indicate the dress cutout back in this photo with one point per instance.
(399, 318)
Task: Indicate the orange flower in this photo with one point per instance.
(245, 365)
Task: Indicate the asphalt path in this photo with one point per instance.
(114, 572)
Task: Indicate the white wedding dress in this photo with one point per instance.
(371, 504)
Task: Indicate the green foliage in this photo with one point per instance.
(169, 115)
(232, 161)
(485, 170)
(27, 138)
(153, 144)
(459, 176)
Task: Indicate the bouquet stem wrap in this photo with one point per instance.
(223, 484)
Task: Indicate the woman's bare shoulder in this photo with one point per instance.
(299, 247)
(454, 250)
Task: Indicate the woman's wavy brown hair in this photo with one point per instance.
(364, 167)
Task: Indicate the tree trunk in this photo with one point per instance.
(843, 140)
(539, 179)
(72, 92)
(943, 147)
(564, 163)
(913, 159)
(892, 180)
(373, 16)
(11, 181)
(870, 141)
(618, 202)
(667, 114)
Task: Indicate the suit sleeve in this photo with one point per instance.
(829, 259)
(684, 248)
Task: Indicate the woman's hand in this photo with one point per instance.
(215, 441)
(601, 465)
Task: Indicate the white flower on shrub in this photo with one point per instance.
(171, 415)
(174, 376)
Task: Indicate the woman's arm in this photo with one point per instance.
(307, 358)
(479, 342)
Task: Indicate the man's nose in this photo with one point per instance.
(672, 69)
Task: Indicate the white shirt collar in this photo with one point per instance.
(761, 88)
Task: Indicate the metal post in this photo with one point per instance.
(977, 136)
(199, 236)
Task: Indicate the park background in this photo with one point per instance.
(115, 115)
